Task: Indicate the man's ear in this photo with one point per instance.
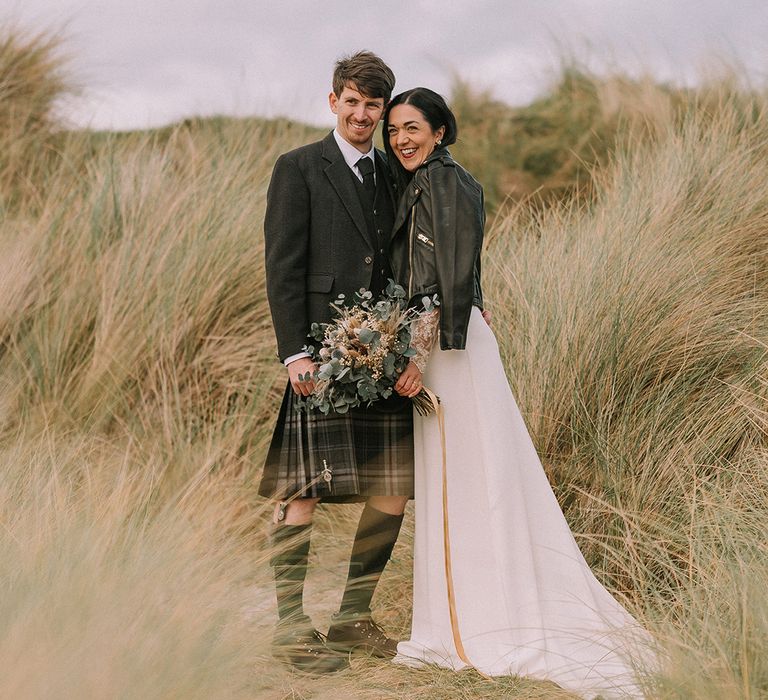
(333, 101)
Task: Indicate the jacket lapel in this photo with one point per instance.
(407, 200)
(382, 170)
(338, 173)
(412, 192)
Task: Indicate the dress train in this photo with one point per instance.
(527, 603)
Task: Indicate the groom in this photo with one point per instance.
(330, 211)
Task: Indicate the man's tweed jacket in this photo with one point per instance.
(317, 241)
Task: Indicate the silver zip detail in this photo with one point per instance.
(410, 251)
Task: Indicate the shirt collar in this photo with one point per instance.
(350, 153)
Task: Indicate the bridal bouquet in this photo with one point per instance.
(362, 352)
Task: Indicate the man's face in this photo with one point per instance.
(356, 116)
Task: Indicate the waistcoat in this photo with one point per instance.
(379, 220)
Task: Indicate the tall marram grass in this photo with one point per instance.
(548, 152)
(139, 285)
(138, 385)
(33, 79)
(108, 595)
(636, 336)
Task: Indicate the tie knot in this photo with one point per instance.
(365, 166)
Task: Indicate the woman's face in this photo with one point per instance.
(410, 136)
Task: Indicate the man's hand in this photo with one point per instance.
(409, 383)
(301, 367)
(487, 316)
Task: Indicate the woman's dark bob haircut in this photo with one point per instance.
(435, 111)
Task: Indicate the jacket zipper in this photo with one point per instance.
(410, 252)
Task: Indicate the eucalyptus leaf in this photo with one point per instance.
(365, 335)
(388, 365)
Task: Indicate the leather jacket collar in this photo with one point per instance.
(414, 188)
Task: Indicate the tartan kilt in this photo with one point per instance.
(368, 450)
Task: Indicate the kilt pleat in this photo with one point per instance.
(369, 452)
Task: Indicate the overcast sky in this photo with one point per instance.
(148, 62)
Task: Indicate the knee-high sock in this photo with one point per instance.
(289, 561)
(376, 536)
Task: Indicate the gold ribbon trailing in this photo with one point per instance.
(447, 538)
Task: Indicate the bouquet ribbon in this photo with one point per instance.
(447, 537)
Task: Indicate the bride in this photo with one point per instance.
(499, 582)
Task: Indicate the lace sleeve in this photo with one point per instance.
(423, 334)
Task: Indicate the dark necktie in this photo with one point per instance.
(365, 166)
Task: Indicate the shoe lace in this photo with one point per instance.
(313, 642)
(319, 636)
(373, 631)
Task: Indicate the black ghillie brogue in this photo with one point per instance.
(360, 634)
(306, 650)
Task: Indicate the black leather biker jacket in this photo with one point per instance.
(437, 240)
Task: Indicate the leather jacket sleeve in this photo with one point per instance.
(458, 218)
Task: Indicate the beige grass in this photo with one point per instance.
(138, 386)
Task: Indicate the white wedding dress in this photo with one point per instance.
(526, 601)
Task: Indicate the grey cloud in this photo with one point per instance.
(151, 61)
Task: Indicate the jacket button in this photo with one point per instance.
(375, 212)
(368, 259)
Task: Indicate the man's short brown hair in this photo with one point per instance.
(365, 72)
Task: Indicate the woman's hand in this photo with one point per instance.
(409, 383)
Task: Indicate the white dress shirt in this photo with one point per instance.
(351, 156)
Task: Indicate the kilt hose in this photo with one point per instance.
(369, 452)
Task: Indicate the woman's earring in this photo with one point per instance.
(438, 142)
